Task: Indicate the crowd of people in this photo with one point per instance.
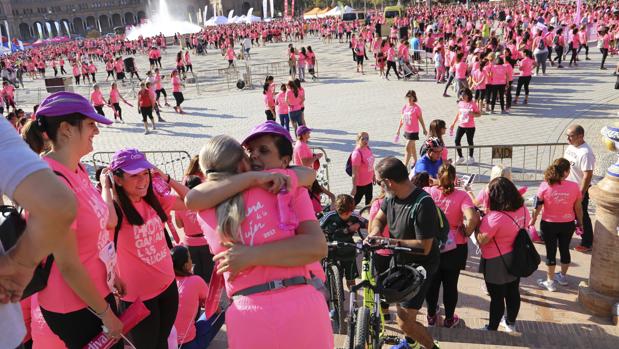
(248, 211)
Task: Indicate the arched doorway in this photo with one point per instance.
(105, 24)
(24, 31)
(141, 16)
(64, 24)
(129, 19)
(39, 30)
(52, 26)
(116, 20)
(78, 26)
(91, 24)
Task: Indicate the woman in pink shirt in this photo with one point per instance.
(479, 80)
(391, 54)
(97, 100)
(114, 101)
(467, 112)
(192, 293)
(139, 235)
(177, 91)
(574, 45)
(230, 56)
(559, 200)
(411, 118)
(294, 99)
(362, 162)
(188, 64)
(496, 235)
(603, 44)
(76, 73)
(109, 68)
(525, 66)
(269, 100)
(245, 222)
(292, 62)
(301, 63)
(461, 73)
(78, 298)
(282, 107)
(311, 62)
(498, 80)
(302, 153)
(463, 219)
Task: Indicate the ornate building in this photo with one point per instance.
(32, 19)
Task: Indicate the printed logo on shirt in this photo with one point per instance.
(148, 237)
(255, 216)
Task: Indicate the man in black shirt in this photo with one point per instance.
(416, 230)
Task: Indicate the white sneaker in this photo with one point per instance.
(547, 284)
(470, 161)
(460, 160)
(507, 327)
(561, 279)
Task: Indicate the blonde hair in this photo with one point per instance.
(501, 171)
(219, 159)
(360, 135)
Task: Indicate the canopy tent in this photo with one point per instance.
(322, 13)
(334, 12)
(311, 13)
(348, 9)
(216, 20)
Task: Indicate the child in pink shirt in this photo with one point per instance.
(411, 118)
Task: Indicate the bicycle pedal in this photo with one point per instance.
(391, 340)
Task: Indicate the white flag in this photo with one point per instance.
(8, 34)
(205, 11)
(264, 9)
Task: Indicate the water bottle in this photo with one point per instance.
(451, 132)
(396, 139)
(287, 218)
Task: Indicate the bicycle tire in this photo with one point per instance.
(350, 337)
(362, 328)
(336, 292)
(376, 340)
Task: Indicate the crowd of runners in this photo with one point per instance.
(244, 216)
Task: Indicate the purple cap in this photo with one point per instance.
(130, 160)
(267, 128)
(63, 103)
(303, 130)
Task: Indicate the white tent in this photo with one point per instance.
(254, 19)
(216, 20)
(348, 9)
(335, 12)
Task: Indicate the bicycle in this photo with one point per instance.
(335, 287)
(366, 324)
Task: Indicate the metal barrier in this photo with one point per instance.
(173, 163)
(275, 69)
(527, 161)
(424, 62)
(216, 79)
(322, 174)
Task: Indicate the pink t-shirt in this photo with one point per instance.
(498, 226)
(410, 115)
(480, 77)
(510, 71)
(301, 151)
(269, 101)
(192, 233)
(559, 200)
(230, 54)
(385, 233)
(260, 226)
(294, 103)
(280, 101)
(498, 75)
(461, 70)
(90, 229)
(192, 292)
(176, 84)
(97, 98)
(453, 205)
(525, 66)
(466, 110)
(144, 260)
(114, 96)
(363, 159)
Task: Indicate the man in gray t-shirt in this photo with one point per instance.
(27, 180)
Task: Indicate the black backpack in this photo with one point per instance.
(525, 259)
(443, 233)
(349, 162)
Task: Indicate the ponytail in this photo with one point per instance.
(31, 134)
(447, 179)
(554, 172)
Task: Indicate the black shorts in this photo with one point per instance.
(417, 301)
(349, 267)
(480, 94)
(360, 59)
(411, 136)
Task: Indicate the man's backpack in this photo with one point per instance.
(445, 239)
(525, 258)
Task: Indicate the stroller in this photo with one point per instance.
(408, 70)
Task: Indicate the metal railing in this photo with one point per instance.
(172, 162)
(322, 174)
(527, 161)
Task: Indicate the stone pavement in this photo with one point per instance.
(343, 103)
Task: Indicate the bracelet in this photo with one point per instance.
(169, 178)
(100, 315)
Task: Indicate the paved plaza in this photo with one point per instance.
(342, 103)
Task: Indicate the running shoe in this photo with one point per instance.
(485, 328)
(402, 345)
(460, 160)
(507, 327)
(470, 161)
(583, 249)
(453, 322)
(432, 320)
(561, 279)
(547, 284)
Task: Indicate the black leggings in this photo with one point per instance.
(561, 233)
(110, 73)
(523, 81)
(586, 49)
(178, 96)
(502, 297)
(489, 91)
(574, 54)
(76, 329)
(498, 91)
(203, 261)
(470, 133)
(604, 55)
(559, 51)
(363, 190)
(119, 112)
(390, 65)
(508, 94)
(99, 109)
(449, 280)
(153, 332)
(159, 93)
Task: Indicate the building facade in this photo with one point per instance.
(41, 19)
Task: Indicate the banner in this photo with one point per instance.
(249, 14)
(578, 14)
(272, 9)
(205, 11)
(8, 34)
(285, 8)
(264, 9)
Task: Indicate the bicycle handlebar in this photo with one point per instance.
(371, 248)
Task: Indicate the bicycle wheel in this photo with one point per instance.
(362, 329)
(350, 338)
(376, 340)
(336, 294)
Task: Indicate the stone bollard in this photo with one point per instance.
(601, 294)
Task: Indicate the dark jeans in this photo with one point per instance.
(470, 133)
(498, 91)
(449, 280)
(391, 65)
(503, 297)
(153, 332)
(587, 227)
(508, 95)
(76, 329)
(523, 81)
(206, 329)
(365, 190)
(559, 50)
(604, 55)
(203, 261)
(284, 120)
(178, 96)
(561, 233)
